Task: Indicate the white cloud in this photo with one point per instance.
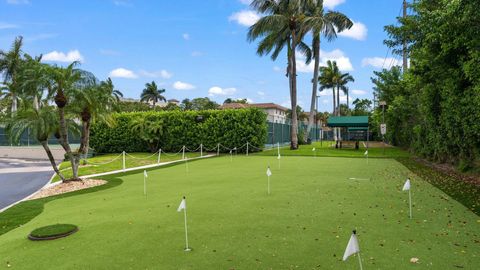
(183, 86)
(156, 74)
(7, 25)
(337, 55)
(379, 62)
(261, 93)
(245, 17)
(358, 31)
(276, 69)
(332, 3)
(359, 92)
(246, 2)
(249, 100)
(62, 57)
(18, 2)
(196, 53)
(186, 36)
(122, 73)
(218, 91)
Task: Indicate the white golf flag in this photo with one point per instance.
(366, 153)
(183, 205)
(279, 156)
(230, 152)
(313, 149)
(406, 186)
(269, 173)
(352, 246)
(145, 173)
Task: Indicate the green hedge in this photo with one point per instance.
(231, 128)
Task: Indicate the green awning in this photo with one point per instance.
(348, 121)
(353, 129)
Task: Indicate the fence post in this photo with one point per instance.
(183, 153)
(218, 149)
(123, 154)
(159, 155)
(247, 149)
(201, 150)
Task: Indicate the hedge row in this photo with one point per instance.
(231, 128)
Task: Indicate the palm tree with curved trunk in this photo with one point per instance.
(152, 93)
(328, 80)
(10, 62)
(41, 124)
(321, 23)
(280, 27)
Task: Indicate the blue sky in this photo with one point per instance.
(191, 48)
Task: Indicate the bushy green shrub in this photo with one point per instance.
(231, 128)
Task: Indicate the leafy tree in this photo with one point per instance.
(149, 131)
(362, 107)
(186, 105)
(327, 80)
(240, 100)
(321, 23)
(152, 93)
(200, 104)
(10, 62)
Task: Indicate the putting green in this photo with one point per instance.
(233, 224)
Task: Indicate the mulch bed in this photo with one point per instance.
(67, 187)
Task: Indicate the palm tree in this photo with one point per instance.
(10, 62)
(152, 93)
(108, 84)
(281, 27)
(149, 131)
(344, 79)
(328, 24)
(327, 80)
(41, 123)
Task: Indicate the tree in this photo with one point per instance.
(280, 27)
(327, 23)
(152, 93)
(186, 105)
(108, 85)
(342, 82)
(10, 62)
(361, 107)
(41, 124)
(149, 131)
(239, 100)
(200, 104)
(327, 80)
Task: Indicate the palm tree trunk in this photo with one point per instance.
(339, 135)
(293, 97)
(348, 102)
(64, 140)
(36, 104)
(14, 103)
(52, 159)
(316, 51)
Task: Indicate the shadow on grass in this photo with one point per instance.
(23, 212)
(464, 192)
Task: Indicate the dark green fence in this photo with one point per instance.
(27, 140)
(280, 133)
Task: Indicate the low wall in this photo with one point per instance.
(34, 152)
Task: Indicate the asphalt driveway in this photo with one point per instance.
(20, 178)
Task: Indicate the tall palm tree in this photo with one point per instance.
(344, 79)
(280, 27)
(152, 93)
(41, 123)
(10, 62)
(327, 80)
(327, 23)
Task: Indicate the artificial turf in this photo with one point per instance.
(53, 230)
(233, 224)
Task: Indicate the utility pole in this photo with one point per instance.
(405, 63)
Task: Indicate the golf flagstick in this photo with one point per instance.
(145, 175)
(186, 163)
(366, 154)
(269, 173)
(279, 157)
(353, 248)
(314, 152)
(231, 157)
(406, 186)
(183, 206)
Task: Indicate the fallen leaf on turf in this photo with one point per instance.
(414, 260)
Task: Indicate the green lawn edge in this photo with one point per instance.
(25, 211)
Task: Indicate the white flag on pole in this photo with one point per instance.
(352, 246)
(279, 157)
(366, 153)
(182, 206)
(145, 173)
(230, 152)
(269, 173)
(406, 186)
(313, 149)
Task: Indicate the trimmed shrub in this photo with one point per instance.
(231, 128)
